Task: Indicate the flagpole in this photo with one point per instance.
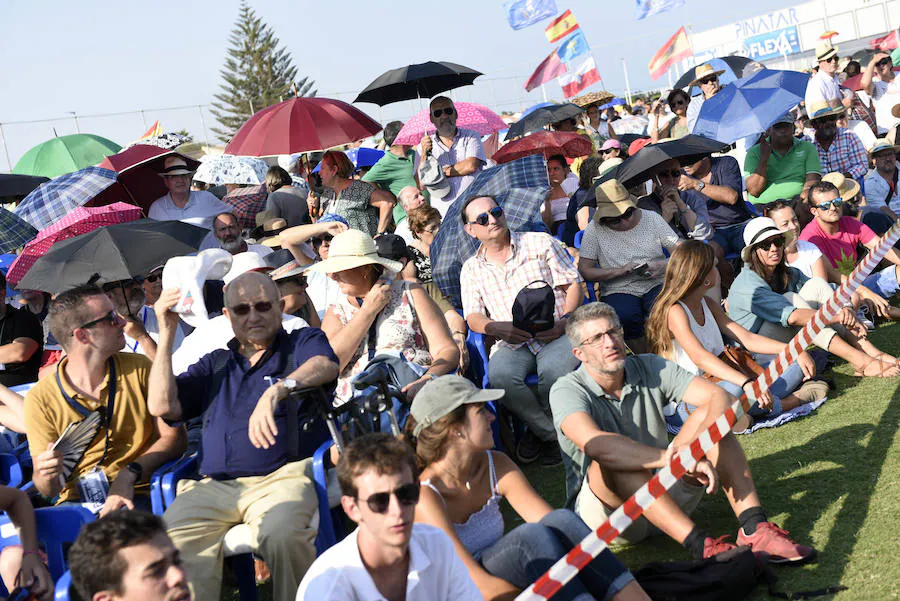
(627, 84)
(544, 92)
(669, 73)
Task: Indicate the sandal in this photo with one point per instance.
(885, 370)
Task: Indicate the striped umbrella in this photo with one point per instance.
(14, 231)
(53, 200)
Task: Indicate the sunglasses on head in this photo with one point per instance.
(444, 111)
(110, 318)
(407, 495)
(244, 308)
(616, 220)
(496, 213)
(778, 241)
(836, 202)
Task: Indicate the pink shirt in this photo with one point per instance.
(841, 244)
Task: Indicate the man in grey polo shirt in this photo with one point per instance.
(610, 420)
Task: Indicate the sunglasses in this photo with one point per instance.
(300, 280)
(710, 79)
(111, 318)
(679, 102)
(616, 220)
(837, 202)
(496, 213)
(152, 278)
(444, 111)
(885, 62)
(778, 241)
(609, 150)
(244, 308)
(672, 173)
(833, 59)
(407, 495)
(110, 286)
(825, 120)
(326, 238)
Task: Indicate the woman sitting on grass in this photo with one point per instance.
(464, 481)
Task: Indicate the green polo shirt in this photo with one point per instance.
(651, 383)
(785, 174)
(393, 173)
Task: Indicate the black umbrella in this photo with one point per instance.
(109, 254)
(13, 184)
(740, 66)
(638, 168)
(417, 81)
(542, 117)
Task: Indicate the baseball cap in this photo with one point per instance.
(441, 396)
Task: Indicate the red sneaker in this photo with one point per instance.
(714, 546)
(774, 541)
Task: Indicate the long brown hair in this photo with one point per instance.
(778, 281)
(690, 262)
(432, 442)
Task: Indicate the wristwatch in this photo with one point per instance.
(289, 384)
(137, 469)
(700, 186)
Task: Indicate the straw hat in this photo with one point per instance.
(847, 187)
(759, 229)
(351, 249)
(824, 50)
(883, 144)
(704, 70)
(586, 100)
(613, 200)
(818, 111)
(176, 165)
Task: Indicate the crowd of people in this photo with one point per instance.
(703, 272)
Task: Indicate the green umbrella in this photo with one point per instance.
(65, 154)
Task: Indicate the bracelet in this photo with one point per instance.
(748, 381)
(32, 552)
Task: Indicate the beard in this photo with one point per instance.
(446, 129)
(233, 245)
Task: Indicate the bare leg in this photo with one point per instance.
(734, 474)
(631, 592)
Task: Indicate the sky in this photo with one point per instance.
(129, 60)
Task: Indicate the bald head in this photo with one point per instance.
(251, 284)
(410, 198)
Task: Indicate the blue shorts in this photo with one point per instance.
(883, 282)
(730, 238)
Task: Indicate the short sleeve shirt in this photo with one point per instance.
(467, 144)
(201, 209)
(393, 173)
(823, 89)
(651, 383)
(842, 245)
(880, 192)
(786, 174)
(21, 323)
(725, 172)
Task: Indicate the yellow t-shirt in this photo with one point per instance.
(132, 428)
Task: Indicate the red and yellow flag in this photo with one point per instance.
(155, 130)
(561, 26)
(675, 49)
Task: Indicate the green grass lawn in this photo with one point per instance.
(832, 479)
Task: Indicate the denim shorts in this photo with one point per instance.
(883, 282)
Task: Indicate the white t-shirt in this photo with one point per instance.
(436, 573)
(201, 208)
(807, 254)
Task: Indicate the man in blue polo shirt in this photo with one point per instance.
(251, 470)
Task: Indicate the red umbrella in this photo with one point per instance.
(139, 182)
(301, 125)
(547, 143)
(80, 221)
(247, 202)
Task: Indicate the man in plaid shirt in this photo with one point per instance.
(839, 149)
(505, 263)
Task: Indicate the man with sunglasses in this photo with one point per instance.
(506, 263)
(885, 90)
(707, 79)
(686, 214)
(95, 376)
(257, 468)
(781, 166)
(839, 148)
(459, 152)
(387, 556)
(824, 86)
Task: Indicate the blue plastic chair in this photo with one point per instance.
(61, 591)
(10, 470)
(331, 523)
(578, 236)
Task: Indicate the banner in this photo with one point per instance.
(886, 43)
(773, 44)
(522, 13)
(579, 76)
(573, 46)
(550, 68)
(675, 49)
(561, 26)
(647, 8)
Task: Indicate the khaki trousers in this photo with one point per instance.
(812, 295)
(278, 508)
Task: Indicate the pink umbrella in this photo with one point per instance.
(80, 221)
(469, 115)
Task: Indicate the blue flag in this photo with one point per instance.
(646, 8)
(573, 45)
(522, 13)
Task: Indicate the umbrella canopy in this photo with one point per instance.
(65, 154)
(639, 167)
(227, 169)
(630, 124)
(363, 157)
(541, 118)
(301, 125)
(469, 115)
(14, 231)
(423, 80)
(735, 67)
(520, 187)
(535, 107)
(751, 104)
(13, 184)
(547, 143)
(109, 254)
(612, 103)
(80, 221)
(247, 202)
(53, 200)
(167, 141)
(137, 175)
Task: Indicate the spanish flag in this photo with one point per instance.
(561, 26)
(677, 48)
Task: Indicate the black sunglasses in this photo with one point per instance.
(616, 220)
(300, 280)
(110, 286)
(496, 213)
(152, 278)
(244, 308)
(446, 111)
(672, 173)
(710, 79)
(885, 62)
(111, 318)
(407, 495)
(778, 241)
(320, 239)
(833, 59)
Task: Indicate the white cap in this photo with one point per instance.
(241, 263)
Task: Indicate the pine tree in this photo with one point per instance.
(258, 73)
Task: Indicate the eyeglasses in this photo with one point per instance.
(613, 334)
(672, 173)
(444, 111)
(152, 278)
(708, 80)
(496, 213)
(607, 221)
(244, 308)
(778, 241)
(885, 62)
(407, 495)
(322, 239)
(837, 202)
(111, 318)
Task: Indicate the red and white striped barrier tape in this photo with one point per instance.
(593, 544)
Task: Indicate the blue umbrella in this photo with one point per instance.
(14, 231)
(612, 103)
(733, 67)
(363, 157)
(750, 105)
(520, 188)
(535, 107)
(53, 200)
